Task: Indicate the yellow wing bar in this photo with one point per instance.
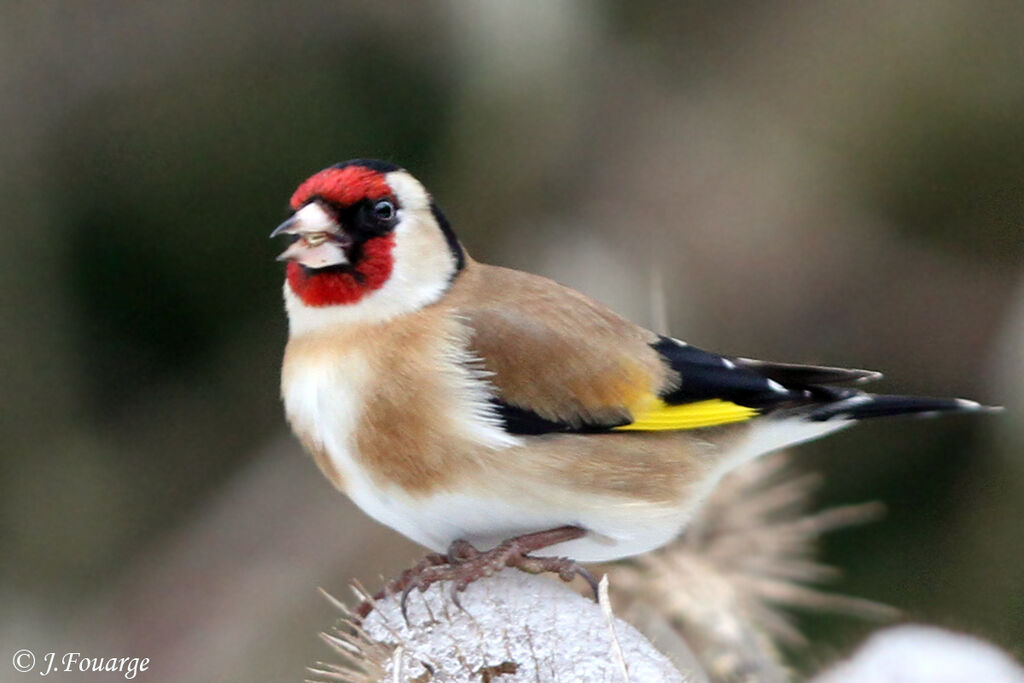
(663, 417)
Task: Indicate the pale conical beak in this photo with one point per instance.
(321, 243)
(289, 227)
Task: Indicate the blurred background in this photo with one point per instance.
(810, 182)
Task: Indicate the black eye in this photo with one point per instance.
(384, 210)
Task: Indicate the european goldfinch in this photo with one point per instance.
(457, 401)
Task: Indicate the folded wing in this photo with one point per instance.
(562, 363)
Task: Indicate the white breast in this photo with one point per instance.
(325, 401)
(325, 398)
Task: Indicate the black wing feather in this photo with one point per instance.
(524, 421)
(790, 373)
(704, 375)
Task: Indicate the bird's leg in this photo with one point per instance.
(460, 551)
(464, 564)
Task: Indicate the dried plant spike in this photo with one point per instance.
(606, 610)
(749, 553)
(516, 627)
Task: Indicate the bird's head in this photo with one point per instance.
(369, 244)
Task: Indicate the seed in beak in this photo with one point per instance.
(315, 239)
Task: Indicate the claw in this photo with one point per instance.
(594, 586)
(455, 596)
(404, 603)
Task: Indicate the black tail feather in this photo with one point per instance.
(862, 406)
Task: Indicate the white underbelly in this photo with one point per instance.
(487, 513)
(615, 529)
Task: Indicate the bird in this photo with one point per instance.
(487, 413)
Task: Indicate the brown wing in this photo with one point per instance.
(555, 353)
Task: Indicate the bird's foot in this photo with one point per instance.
(404, 580)
(464, 564)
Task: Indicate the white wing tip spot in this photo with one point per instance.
(869, 376)
(966, 404)
(857, 400)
